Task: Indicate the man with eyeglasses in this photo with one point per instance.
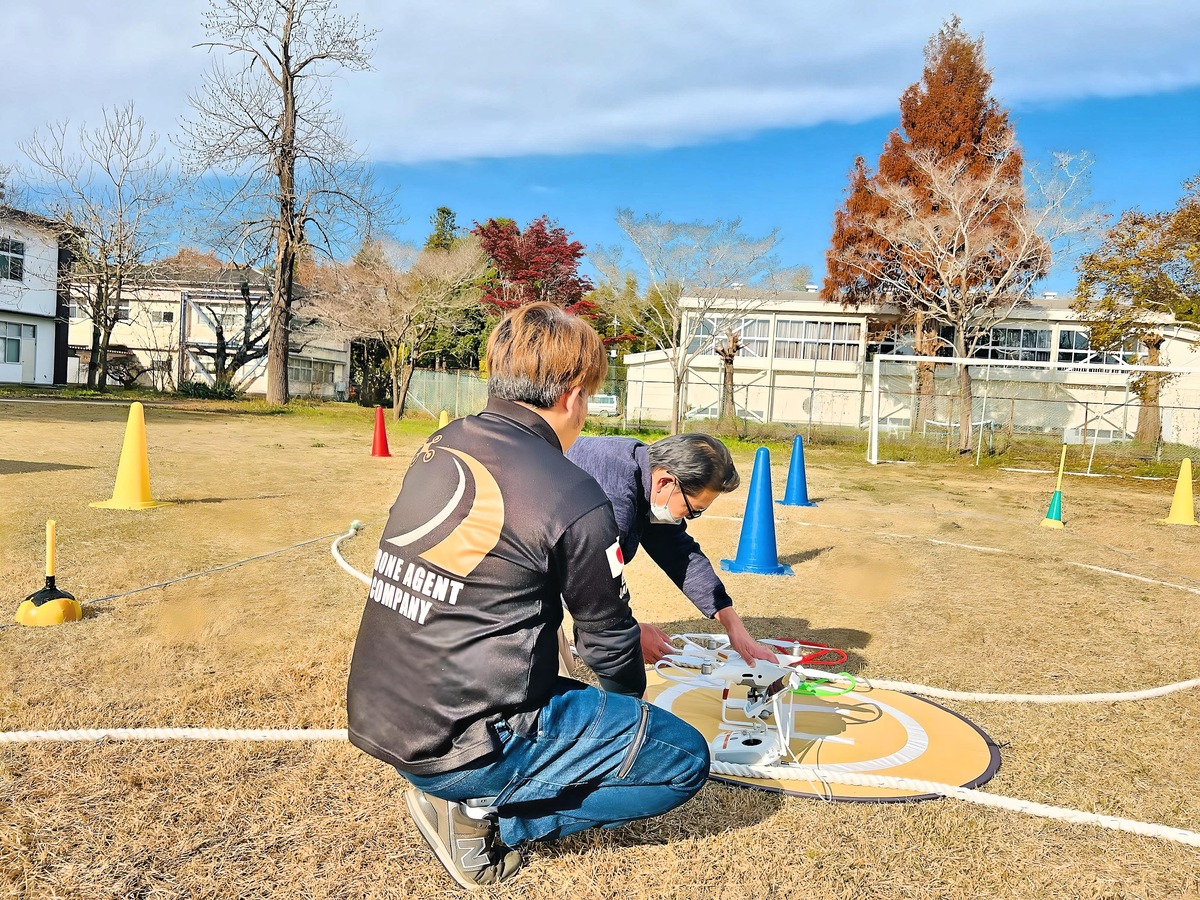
(654, 489)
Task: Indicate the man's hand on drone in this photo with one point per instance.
(740, 640)
(656, 643)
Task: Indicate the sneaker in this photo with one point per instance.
(467, 847)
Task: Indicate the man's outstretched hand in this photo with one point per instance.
(656, 643)
(739, 638)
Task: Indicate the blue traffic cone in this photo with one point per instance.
(756, 553)
(796, 492)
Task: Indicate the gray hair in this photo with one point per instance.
(699, 461)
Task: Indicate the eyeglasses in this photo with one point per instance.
(691, 513)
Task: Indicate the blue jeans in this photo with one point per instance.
(595, 760)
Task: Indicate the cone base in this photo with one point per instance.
(795, 503)
(1170, 521)
(382, 455)
(53, 612)
(1052, 523)
(114, 503)
(732, 565)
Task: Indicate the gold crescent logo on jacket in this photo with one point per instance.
(473, 538)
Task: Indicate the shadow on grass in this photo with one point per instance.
(24, 467)
(717, 809)
(795, 559)
(184, 501)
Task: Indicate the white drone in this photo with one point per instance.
(747, 736)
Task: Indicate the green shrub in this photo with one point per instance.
(199, 390)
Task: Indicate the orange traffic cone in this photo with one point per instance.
(132, 490)
(379, 447)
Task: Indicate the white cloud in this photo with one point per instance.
(481, 78)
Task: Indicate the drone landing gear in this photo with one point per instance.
(747, 747)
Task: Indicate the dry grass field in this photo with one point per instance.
(880, 571)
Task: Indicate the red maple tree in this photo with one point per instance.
(540, 262)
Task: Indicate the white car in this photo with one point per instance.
(603, 405)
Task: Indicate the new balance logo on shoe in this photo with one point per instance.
(472, 853)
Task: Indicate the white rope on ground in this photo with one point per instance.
(355, 527)
(85, 735)
(800, 773)
(969, 795)
(922, 690)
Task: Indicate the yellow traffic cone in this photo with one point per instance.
(132, 490)
(443, 419)
(1182, 512)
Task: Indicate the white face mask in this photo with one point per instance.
(660, 514)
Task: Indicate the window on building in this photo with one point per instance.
(310, 371)
(10, 336)
(122, 311)
(73, 310)
(756, 337)
(1028, 344)
(703, 336)
(162, 316)
(12, 259)
(300, 368)
(816, 339)
(1075, 346)
(754, 333)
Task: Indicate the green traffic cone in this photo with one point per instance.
(1054, 513)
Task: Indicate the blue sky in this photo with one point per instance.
(1144, 147)
(695, 109)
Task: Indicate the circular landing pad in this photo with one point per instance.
(868, 731)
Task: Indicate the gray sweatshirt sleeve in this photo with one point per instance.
(587, 559)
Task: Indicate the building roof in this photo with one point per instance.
(28, 218)
(758, 299)
(189, 275)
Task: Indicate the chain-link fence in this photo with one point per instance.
(458, 393)
(1020, 416)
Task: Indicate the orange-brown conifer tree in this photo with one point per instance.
(949, 120)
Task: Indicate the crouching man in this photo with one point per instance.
(454, 675)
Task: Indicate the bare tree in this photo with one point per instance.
(240, 335)
(401, 297)
(968, 246)
(700, 277)
(285, 175)
(110, 187)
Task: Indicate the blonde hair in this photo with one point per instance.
(538, 352)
